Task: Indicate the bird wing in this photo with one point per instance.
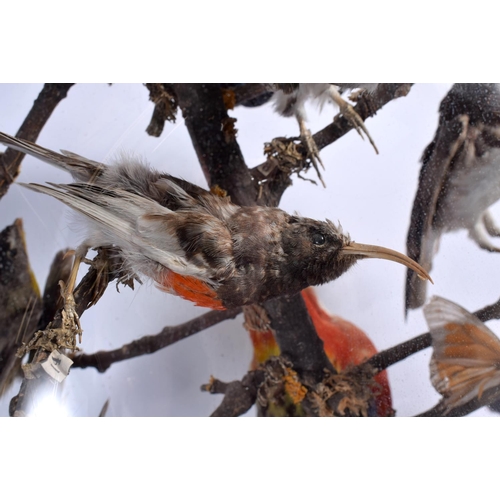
(423, 237)
(466, 353)
(459, 176)
(81, 168)
(143, 229)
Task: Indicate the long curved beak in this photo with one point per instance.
(375, 252)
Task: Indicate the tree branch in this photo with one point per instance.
(384, 359)
(297, 338)
(274, 181)
(367, 106)
(214, 140)
(86, 295)
(441, 410)
(488, 313)
(44, 105)
(165, 101)
(149, 344)
(239, 396)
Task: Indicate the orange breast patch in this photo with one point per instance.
(190, 288)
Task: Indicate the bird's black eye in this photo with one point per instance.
(318, 239)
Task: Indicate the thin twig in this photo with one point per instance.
(391, 356)
(149, 344)
(367, 106)
(165, 109)
(488, 313)
(50, 96)
(274, 181)
(239, 396)
(384, 359)
(441, 410)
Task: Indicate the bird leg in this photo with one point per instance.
(108, 265)
(350, 114)
(71, 320)
(479, 232)
(63, 337)
(310, 145)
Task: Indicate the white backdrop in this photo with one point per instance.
(371, 195)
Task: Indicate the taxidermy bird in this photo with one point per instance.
(459, 179)
(290, 98)
(345, 346)
(196, 244)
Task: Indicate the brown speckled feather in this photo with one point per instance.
(194, 243)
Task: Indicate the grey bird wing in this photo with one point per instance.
(79, 167)
(130, 222)
(189, 242)
(423, 237)
(459, 176)
(466, 352)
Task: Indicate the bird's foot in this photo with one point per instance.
(71, 327)
(479, 233)
(311, 148)
(351, 116)
(490, 225)
(64, 337)
(286, 154)
(108, 265)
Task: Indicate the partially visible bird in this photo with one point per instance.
(459, 179)
(194, 243)
(344, 343)
(466, 353)
(290, 98)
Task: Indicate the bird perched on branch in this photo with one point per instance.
(194, 243)
(290, 98)
(459, 179)
(344, 343)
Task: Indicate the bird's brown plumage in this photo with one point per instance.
(197, 244)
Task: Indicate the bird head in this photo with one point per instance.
(318, 252)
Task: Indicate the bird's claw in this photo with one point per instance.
(311, 148)
(490, 225)
(356, 121)
(479, 232)
(63, 337)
